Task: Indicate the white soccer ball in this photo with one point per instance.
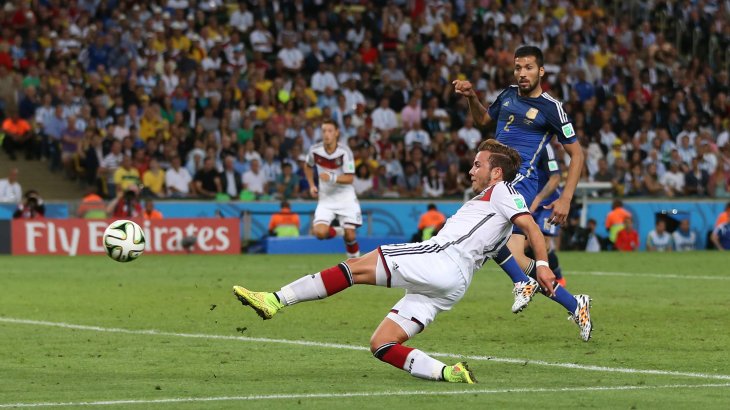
(124, 240)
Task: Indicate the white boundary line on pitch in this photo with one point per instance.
(363, 348)
(637, 275)
(361, 394)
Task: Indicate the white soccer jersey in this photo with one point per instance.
(480, 227)
(339, 162)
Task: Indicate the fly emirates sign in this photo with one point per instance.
(83, 236)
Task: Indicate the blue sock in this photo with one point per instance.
(510, 266)
(564, 297)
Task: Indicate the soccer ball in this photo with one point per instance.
(124, 240)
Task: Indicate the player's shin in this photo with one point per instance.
(562, 296)
(412, 360)
(352, 248)
(317, 286)
(509, 265)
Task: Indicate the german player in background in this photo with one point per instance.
(337, 199)
(527, 119)
(435, 273)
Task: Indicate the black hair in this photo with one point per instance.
(530, 51)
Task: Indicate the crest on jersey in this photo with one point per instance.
(568, 130)
(519, 202)
(531, 113)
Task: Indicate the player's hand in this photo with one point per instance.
(561, 208)
(464, 88)
(313, 191)
(546, 277)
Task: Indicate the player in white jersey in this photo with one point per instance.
(434, 273)
(336, 170)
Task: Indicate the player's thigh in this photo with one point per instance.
(420, 269)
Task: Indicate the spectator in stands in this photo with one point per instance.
(18, 136)
(32, 206)
(150, 212)
(470, 135)
(178, 180)
(433, 184)
(429, 224)
(684, 238)
(615, 219)
(126, 204)
(10, 190)
(696, 180)
(721, 236)
(285, 223)
(153, 180)
(287, 184)
(207, 181)
(673, 181)
(255, 181)
(126, 175)
(627, 239)
(231, 180)
(109, 166)
(659, 239)
(363, 181)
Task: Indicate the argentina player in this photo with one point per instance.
(526, 120)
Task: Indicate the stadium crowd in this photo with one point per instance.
(215, 100)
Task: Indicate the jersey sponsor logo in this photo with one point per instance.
(568, 130)
(531, 113)
(519, 202)
(329, 163)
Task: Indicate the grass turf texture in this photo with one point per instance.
(676, 323)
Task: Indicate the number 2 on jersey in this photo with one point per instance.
(510, 120)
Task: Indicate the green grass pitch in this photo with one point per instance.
(166, 332)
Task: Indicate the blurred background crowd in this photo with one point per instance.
(214, 99)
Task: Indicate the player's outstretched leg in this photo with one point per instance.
(412, 360)
(311, 287)
(524, 286)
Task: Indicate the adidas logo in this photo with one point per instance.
(395, 266)
(506, 104)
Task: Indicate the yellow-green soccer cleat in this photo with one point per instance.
(264, 303)
(459, 373)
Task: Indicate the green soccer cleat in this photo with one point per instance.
(265, 304)
(459, 373)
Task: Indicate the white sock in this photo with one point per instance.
(353, 255)
(339, 231)
(423, 366)
(306, 288)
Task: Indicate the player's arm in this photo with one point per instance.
(561, 206)
(545, 275)
(478, 112)
(344, 179)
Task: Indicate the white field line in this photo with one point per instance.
(521, 362)
(360, 394)
(636, 275)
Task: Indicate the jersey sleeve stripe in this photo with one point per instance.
(559, 105)
(515, 216)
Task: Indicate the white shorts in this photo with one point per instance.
(433, 282)
(348, 213)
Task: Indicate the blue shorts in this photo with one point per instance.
(542, 218)
(528, 188)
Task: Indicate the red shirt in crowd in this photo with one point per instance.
(627, 240)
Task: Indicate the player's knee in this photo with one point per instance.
(379, 345)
